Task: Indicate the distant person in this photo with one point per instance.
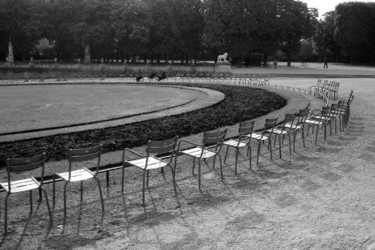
(275, 63)
(152, 75)
(139, 76)
(325, 63)
(162, 76)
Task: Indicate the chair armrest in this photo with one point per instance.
(186, 141)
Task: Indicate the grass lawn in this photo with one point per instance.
(241, 103)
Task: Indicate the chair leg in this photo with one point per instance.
(40, 195)
(66, 184)
(221, 168)
(236, 161)
(270, 143)
(279, 145)
(259, 144)
(31, 201)
(48, 207)
(81, 191)
(144, 187)
(249, 150)
(147, 177)
(101, 194)
(122, 180)
(6, 214)
(226, 154)
(213, 164)
(199, 175)
(174, 180)
(325, 130)
(193, 165)
(303, 136)
(54, 192)
(317, 132)
(290, 145)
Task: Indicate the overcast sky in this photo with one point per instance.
(327, 5)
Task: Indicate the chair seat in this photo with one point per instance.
(234, 143)
(314, 122)
(196, 152)
(277, 131)
(77, 175)
(292, 126)
(257, 136)
(153, 163)
(320, 117)
(21, 185)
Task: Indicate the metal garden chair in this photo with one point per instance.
(150, 161)
(245, 130)
(82, 174)
(318, 119)
(201, 151)
(299, 126)
(284, 129)
(17, 165)
(263, 136)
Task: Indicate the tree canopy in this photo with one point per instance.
(156, 29)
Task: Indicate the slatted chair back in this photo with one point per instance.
(270, 123)
(326, 111)
(302, 116)
(246, 128)
(17, 165)
(167, 146)
(289, 119)
(85, 154)
(210, 138)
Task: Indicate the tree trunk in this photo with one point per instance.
(289, 60)
(265, 60)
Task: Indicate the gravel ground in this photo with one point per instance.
(321, 197)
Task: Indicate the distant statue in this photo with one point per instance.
(223, 57)
(87, 54)
(10, 58)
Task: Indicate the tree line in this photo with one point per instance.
(184, 30)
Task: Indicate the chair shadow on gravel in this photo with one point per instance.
(30, 217)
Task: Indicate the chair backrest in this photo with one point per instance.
(17, 165)
(162, 147)
(215, 137)
(302, 115)
(326, 111)
(246, 127)
(270, 123)
(85, 154)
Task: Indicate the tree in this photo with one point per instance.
(16, 20)
(355, 30)
(297, 22)
(324, 36)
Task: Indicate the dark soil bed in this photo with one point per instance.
(240, 103)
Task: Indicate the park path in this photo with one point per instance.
(322, 197)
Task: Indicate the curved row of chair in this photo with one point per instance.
(326, 88)
(211, 146)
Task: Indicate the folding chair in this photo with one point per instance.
(151, 161)
(82, 174)
(201, 151)
(17, 165)
(264, 136)
(244, 136)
